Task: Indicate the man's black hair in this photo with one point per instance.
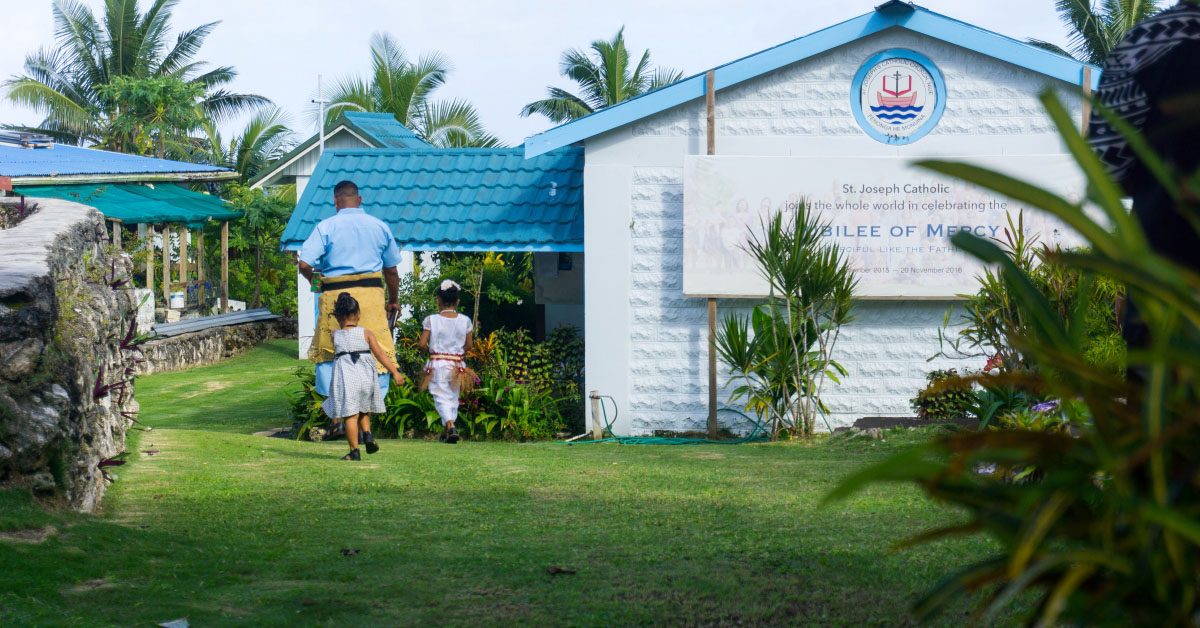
(345, 188)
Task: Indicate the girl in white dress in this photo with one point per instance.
(354, 392)
(447, 336)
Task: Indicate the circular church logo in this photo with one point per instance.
(898, 96)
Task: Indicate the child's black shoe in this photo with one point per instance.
(452, 436)
(353, 455)
(368, 439)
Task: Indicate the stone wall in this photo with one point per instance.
(65, 381)
(210, 345)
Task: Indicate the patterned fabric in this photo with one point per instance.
(372, 313)
(1130, 86)
(354, 388)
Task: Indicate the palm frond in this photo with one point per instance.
(153, 29)
(62, 112)
(664, 77)
(1049, 47)
(187, 44)
(451, 124)
(77, 31)
(559, 107)
(348, 94)
(221, 104)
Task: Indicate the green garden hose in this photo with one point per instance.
(758, 433)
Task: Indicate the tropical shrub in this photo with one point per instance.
(945, 398)
(1107, 532)
(989, 318)
(782, 353)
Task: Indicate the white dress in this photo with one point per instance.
(354, 387)
(447, 337)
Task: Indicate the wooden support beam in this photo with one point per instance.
(710, 101)
(224, 267)
(116, 233)
(184, 232)
(200, 268)
(149, 243)
(1087, 98)
(166, 269)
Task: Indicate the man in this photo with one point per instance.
(1151, 81)
(355, 253)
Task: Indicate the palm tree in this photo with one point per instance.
(65, 81)
(265, 138)
(404, 88)
(1097, 27)
(605, 78)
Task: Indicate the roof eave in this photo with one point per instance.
(291, 156)
(159, 177)
(888, 15)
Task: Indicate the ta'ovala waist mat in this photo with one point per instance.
(367, 289)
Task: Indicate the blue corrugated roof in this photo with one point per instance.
(891, 14)
(384, 130)
(65, 160)
(468, 199)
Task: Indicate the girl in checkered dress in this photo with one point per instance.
(354, 392)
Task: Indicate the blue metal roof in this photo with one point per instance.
(467, 199)
(384, 130)
(62, 160)
(888, 15)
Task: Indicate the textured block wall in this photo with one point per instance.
(991, 107)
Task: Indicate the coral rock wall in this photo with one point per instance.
(66, 353)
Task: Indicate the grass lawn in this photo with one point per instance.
(223, 527)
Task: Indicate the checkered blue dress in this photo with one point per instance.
(355, 384)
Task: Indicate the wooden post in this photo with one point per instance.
(224, 267)
(200, 267)
(116, 233)
(166, 274)
(150, 259)
(183, 256)
(1087, 98)
(597, 427)
(710, 101)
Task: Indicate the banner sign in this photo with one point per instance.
(892, 220)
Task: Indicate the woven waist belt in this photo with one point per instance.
(353, 355)
(334, 284)
(445, 357)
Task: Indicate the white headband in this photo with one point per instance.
(449, 283)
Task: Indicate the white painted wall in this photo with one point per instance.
(647, 344)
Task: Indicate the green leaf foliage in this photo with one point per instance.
(1093, 522)
(782, 353)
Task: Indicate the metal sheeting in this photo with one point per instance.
(207, 322)
(66, 160)
(455, 199)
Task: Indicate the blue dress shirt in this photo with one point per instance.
(350, 242)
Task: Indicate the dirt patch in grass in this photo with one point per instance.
(88, 586)
(31, 536)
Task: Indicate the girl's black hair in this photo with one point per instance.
(448, 296)
(345, 305)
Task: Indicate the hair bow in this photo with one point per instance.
(449, 283)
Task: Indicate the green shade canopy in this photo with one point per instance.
(134, 203)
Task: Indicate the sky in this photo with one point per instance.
(504, 52)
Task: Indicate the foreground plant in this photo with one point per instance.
(1108, 529)
(781, 355)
